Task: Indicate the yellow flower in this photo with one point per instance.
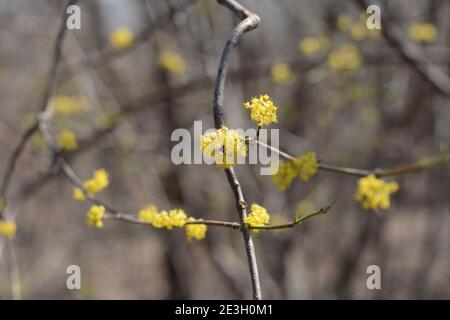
(78, 194)
(224, 146)
(258, 217)
(313, 45)
(8, 228)
(161, 220)
(282, 73)
(97, 183)
(148, 213)
(263, 110)
(67, 140)
(423, 32)
(121, 38)
(177, 218)
(171, 62)
(95, 215)
(359, 31)
(197, 231)
(66, 105)
(346, 57)
(373, 193)
(344, 23)
(304, 167)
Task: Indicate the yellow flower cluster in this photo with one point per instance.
(95, 215)
(263, 110)
(258, 217)
(358, 29)
(282, 73)
(174, 218)
(313, 45)
(304, 167)
(171, 62)
(8, 228)
(66, 105)
(423, 32)
(346, 57)
(196, 231)
(121, 38)
(67, 140)
(97, 183)
(373, 193)
(224, 146)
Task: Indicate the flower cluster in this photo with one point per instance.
(373, 193)
(263, 110)
(258, 217)
(95, 215)
(97, 183)
(8, 228)
(282, 73)
(357, 29)
(304, 167)
(224, 146)
(196, 231)
(313, 45)
(121, 38)
(170, 219)
(67, 140)
(423, 32)
(346, 57)
(171, 62)
(67, 105)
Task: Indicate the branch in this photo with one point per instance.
(440, 158)
(413, 56)
(18, 149)
(249, 22)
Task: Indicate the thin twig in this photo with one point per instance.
(18, 149)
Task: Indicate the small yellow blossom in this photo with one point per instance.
(67, 140)
(78, 194)
(282, 73)
(258, 217)
(148, 213)
(423, 32)
(95, 215)
(359, 31)
(121, 38)
(161, 220)
(224, 146)
(196, 231)
(177, 218)
(373, 193)
(67, 105)
(171, 62)
(97, 183)
(313, 45)
(344, 23)
(303, 167)
(346, 57)
(8, 228)
(263, 110)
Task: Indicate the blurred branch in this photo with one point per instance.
(413, 56)
(18, 149)
(441, 158)
(104, 55)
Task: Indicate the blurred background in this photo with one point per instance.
(138, 69)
